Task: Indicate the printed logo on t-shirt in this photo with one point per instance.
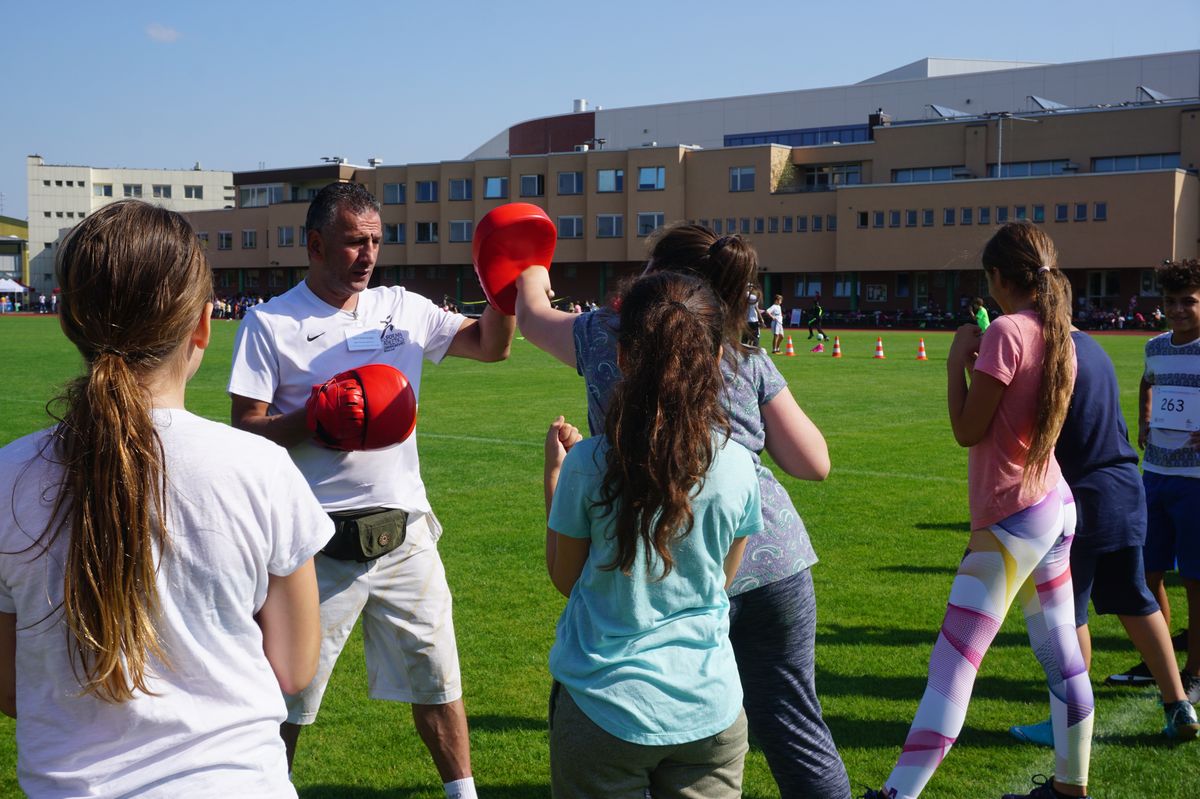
(390, 336)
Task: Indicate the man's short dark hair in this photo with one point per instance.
(1179, 277)
(351, 197)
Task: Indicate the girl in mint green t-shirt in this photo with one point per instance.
(645, 530)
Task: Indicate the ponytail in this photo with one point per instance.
(134, 283)
(661, 421)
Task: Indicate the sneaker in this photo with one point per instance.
(1040, 734)
(1044, 790)
(1181, 722)
(1136, 677)
(1191, 687)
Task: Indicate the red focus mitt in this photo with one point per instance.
(370, 407)
(508, 240)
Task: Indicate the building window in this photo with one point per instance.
(802, 224)
(570, 183)
(927, 217)
(808, 284)
(730, 225)
(878, 219)
(59, 214)
(652, 178)
(1081, 212)
(1134, 163)
(427, 232)
(843, 285)
(985, 214)
(831, 223)
(570, 227)
(610, 226)
(1001, 214)
(102, 189)
(1019, 213)
(787, 224)
(1039, 213)
(649, 222)
(285, 236)
(460, 188)
(393, 194)
(193, 192)
(824, 177)
(1060, 212)
(893, 218)
(902, 284)
(1151, 285)
(1026, 169)
(58, 183)
(816, 223)
(225, 240)
(249, 239)
(863, 220)
(759, 223)
(427, 191)
(741, 178)
(203, 239)
(773, 224)
(910, 218)
(495, 188)
(393, 233)
(260, 196)
(533, 185)
(162, 192)
(947, 216)
(966, 216)
(460, 230)
(929, 174)
(46, 214)
(716, 226)
(609, 181)
(133, 190)
(1100, 212)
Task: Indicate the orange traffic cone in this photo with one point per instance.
(921, 356)
(837, 347)
(791, 351)
(879, 348)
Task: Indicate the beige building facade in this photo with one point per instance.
(892, 225)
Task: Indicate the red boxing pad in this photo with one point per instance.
(508, 240)
(370, 407)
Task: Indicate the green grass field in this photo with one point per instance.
(890, 525)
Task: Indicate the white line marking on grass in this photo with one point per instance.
(509, 442)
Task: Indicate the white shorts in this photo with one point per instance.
(777, 328)
(408, 628)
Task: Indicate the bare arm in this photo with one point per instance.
(1144, 398)
(546, 327)
(8, 664)
(971, 407)
(285, 429)
(565, 556)
(291, 626)
(733, 559)
(487, 339)
(793, 441)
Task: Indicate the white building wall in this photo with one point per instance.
(61, 195)
(987, 89)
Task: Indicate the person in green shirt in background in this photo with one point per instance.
(981, 314)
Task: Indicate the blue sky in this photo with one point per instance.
(235, 84)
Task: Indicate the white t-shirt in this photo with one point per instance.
(752, 310)
(1172, 368)
(238, 512)
(297, 340)
(776, 314)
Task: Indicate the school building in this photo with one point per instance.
(876, 212)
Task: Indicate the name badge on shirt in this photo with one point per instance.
(1175, 408)
(361, 342)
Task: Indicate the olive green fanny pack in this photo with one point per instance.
(364, 535)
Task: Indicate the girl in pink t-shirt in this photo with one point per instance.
(1022, 514)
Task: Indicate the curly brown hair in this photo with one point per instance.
(1179, 277)
(664, 414)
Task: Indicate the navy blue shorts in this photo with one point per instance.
(1172, 526)
(1115, 582)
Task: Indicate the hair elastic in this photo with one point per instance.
(719, 244)
(1043, 269)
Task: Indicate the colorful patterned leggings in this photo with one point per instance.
(1025, 555)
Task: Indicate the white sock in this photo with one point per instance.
(461, 789)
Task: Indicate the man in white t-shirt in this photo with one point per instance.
(330, 323)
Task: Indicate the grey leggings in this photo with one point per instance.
(773, 631)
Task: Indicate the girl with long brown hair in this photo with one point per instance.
(1022, 371)
(646, 527)
(156, 582)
